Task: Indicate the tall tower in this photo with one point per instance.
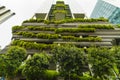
(61, 26)
(109, 9)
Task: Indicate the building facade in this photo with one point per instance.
(61, 26)
(107, 9)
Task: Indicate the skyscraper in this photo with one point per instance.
(109, 9)
(60, 26)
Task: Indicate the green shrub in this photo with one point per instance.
(46, 21)
(40, 28)
(15, 28)
(74, 30)
(26, 34)
(34, 20)
(47, 36)
(118, 25)
(77, 77)
(78, 39)
(102, 19)
(97, 26)
(65, 20)
(38, 35)
(32, 45)
(50, 75)
(68, 37)
(59, 2)
(85, 20)
(60, 5)
(60, 11)
(59, 22)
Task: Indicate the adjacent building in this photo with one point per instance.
(109, 9)
(5, 14)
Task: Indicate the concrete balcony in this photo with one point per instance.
(88, 44)
(65, 24)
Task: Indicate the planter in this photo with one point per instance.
(87, 44)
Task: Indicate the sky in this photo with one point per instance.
(25, 9)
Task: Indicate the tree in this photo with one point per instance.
(13, 59)
(116, 52)
(71, 59)
(34, 67)
(2, 65)
(101, 61)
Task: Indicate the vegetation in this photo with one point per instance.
(85, 20)
(74, 30)
(68, 58)
(81, 39)
(16, 28)
(32, 45)
(60, 5)
(97, 26)
(50, 75)
(118, 25)
(26, 34)
(34, 20)
(60, 11)
(47, 36)
(11, 61)
(59, 2)
(101, 61)
(40, 28)
(116, 53)
(35, 66)
(2, 65)
(38, 35)
(57, 36)
(66, 20)
(71, 61)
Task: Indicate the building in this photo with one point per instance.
(109, 9)
(60, 26)
(5, 14)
